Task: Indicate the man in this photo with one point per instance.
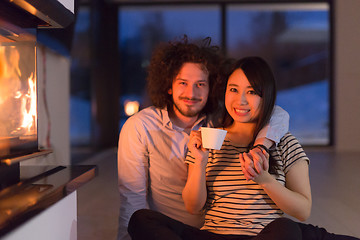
(153, 143)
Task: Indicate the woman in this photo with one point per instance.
(238, 203)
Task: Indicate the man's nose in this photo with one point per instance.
(190, 90)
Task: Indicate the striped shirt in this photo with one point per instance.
(234, 205)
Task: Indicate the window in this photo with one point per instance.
(80, 107)
(141, 29)
(293, 37)
(295, 40)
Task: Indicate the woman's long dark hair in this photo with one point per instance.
(261, 78)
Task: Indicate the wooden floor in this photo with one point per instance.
(334, 177)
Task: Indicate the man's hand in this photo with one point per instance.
(254, 162)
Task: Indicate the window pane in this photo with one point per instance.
(142, 28)
(294, 39)
(80, 115)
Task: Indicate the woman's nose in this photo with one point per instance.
(243, 99)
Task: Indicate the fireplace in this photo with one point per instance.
(18, 92)
(20, 21)
(32, 181)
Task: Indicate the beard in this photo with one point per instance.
(188, 111)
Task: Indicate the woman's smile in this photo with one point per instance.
(241, 111)
(241, 100)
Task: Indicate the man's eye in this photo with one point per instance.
(182, 83)
(201, 84)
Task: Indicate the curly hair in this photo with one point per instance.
(166, 62)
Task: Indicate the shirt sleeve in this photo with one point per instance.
(132, 172)
(291, 152)
(277, 127)
(189, 159)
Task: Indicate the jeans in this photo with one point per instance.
(152, 225)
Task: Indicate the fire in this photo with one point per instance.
(18, 99)
(28, 106)
(9, 72)
(27, 109)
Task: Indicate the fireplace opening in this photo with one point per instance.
(18, 93)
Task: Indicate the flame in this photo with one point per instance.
(18, 101)
(28, 106)
(9, 72)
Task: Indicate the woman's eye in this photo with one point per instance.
(233, 90)
(252, 92)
